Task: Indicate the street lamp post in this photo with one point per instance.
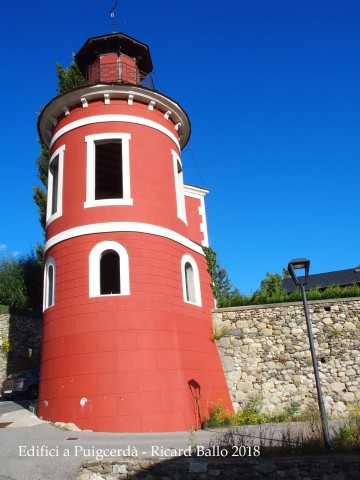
(303, 263)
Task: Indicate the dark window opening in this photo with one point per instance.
(108, 171)
(54, 168)
(50, 291)
(189, 283)
(109, 273)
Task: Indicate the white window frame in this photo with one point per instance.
(188, 259)
(91, 141)
(179, 187)
(94, 268)
(50, 262)
(58, 154)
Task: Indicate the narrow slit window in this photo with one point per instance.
(189, 283)
(55, 185)
(49, 283)
(110, 273)
(179, 187)
(50, 299)
(108, 171)
(54, 170)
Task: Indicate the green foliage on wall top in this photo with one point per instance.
(263, 298)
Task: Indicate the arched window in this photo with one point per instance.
(190, 280)
(108, 270)
(49, 283)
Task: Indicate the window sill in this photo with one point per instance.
(53, 217)
(110, 295)
(192, 303)
(109, 202)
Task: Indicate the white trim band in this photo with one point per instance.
(113, 118)
(122, 227)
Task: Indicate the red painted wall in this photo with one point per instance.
(150, 163)
(133, 357)
(194, 219)
(141, 362)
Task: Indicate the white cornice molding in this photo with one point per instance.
(192, 191)
(113, 118)
(123, 227)
(130, 93)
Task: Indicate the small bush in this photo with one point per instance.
(6, 346)
(220, 333)
(263, 298)
(347, 436)
(250, 415)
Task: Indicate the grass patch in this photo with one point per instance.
(299, 434)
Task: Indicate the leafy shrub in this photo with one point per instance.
(251, 415)
(6, 346)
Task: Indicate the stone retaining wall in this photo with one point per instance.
(24, 334)
(333, 467)
(265, 353)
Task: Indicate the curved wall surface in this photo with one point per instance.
(140, 360)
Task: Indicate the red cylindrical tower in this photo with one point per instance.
(127, 298)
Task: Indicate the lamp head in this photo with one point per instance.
(296, 264)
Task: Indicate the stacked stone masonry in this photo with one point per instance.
(335, 467)
(265, 354)
(24, 334)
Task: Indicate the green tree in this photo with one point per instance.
(21, 282)
(223, 290)
(285, 273)
(40, 192)
(69, 78)
(33, 278)
(12, 283)
(271, 285)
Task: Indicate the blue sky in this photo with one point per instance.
(272, 90)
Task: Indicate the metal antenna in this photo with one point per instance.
(112, 15)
